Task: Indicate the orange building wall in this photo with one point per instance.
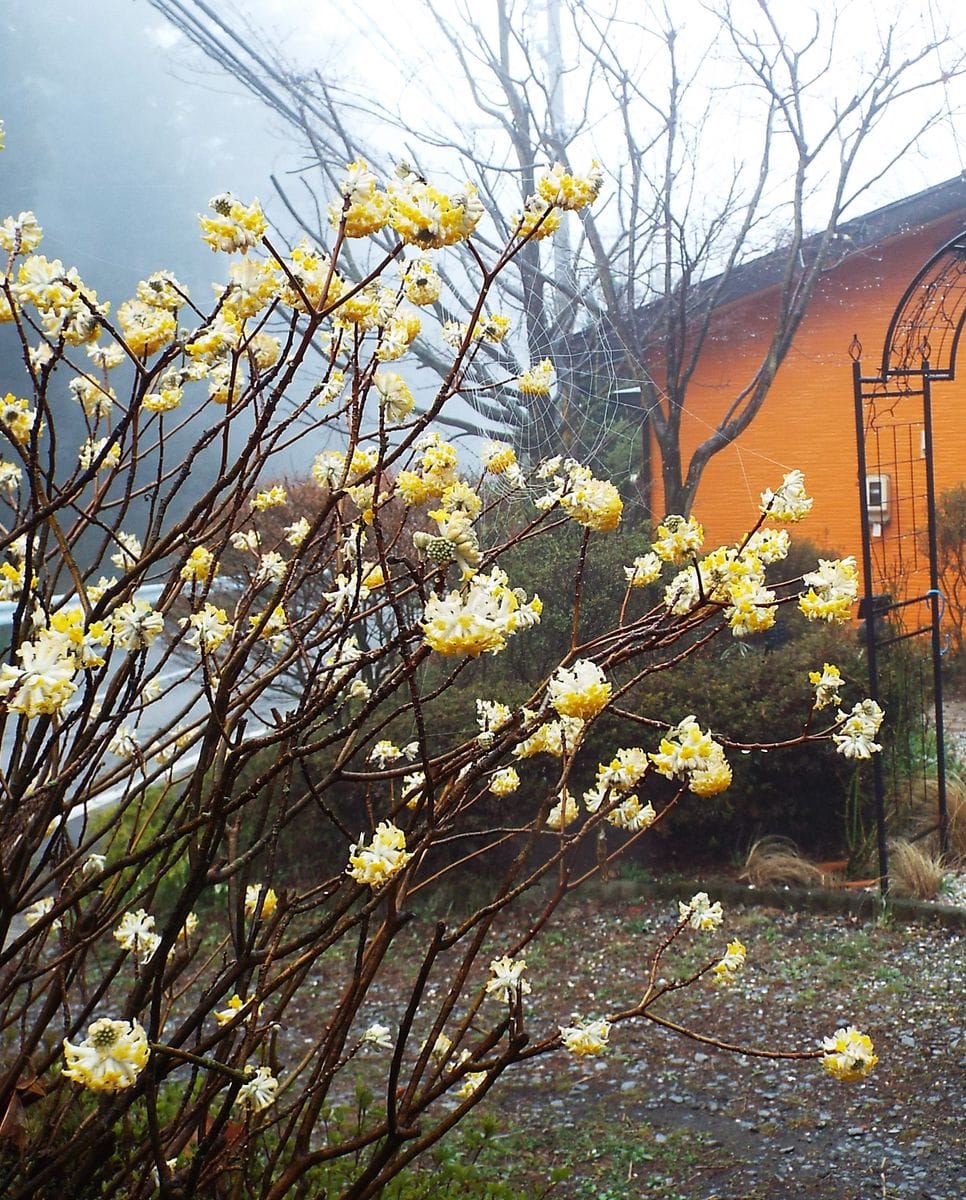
(807, 420)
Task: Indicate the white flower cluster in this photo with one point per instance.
(613, 787)
(700, 913)
(788, 502)
(506, 980)
(858, 728)
(386, 855)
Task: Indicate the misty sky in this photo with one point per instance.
(113, 148)
(117, 134)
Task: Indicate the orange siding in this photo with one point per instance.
(807, 420)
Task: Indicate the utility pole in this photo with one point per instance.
(562, 253)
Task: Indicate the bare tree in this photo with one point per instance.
(731, 135)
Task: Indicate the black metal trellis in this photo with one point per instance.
(894, 442)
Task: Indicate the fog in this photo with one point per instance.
(115, 146)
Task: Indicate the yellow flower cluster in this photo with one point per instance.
(573, 192)
(200, 566)
(260, 1091)
(479, 619)
(365, 210)
(365, 309)
(471, 1084)
(585, 1037)
(557, 190)
(38, 910)
(386, 855)
(614, 781)
(110, 1058)
(414, 789)
(395, 398)
(330, 466)
(498, 458)
(235, 226)
(491, 716)
(20, 234)
(66, 307)
(95, 398)
(678, 539)
(492, 328)
(253, 284)
(626, 769)
(752, 608)
(538, 220)
(631, 815)
(146, 328)
(435, 475)
(832, 590)
(536, 381)
(260, 901)
(221, 335)
(593, 503)
(826, 683)
(162, 290)
(135, 933)
(271, 498)
(10, 476)
(692, 755)
(209, 627)
(224, 1016)
(11, 580)
(43, 683)
(580, 690)
(134, 624)
(166, 400)
(274, 628)
(506, 980)
(725, 970)
(17, 418)
(421, 282)
(556, 738)
(733, 577)
(316, 277)
(563, 813)
(505, 782)
(454, 541)
(643, 570)
(849, 1054)
(383, 753)
(700, 913)
(421, 214)
(425, 217)
(398, 335)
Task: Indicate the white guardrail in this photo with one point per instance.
(151, 592)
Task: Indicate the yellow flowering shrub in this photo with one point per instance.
(212, 651)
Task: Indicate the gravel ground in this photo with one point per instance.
(763, 1129)
(664, 1117)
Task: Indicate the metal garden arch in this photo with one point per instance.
(894, 441)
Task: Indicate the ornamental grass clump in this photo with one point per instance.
(914, 871)
(775, 861)
(208, 661)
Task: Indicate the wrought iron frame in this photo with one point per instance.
(920, 348)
